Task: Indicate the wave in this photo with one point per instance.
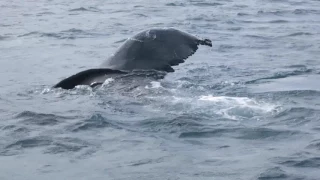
(175, 4)
(299, 34)
(296, 85)
(297, 112)
(154, 85)
(96, 121)
(279, 21)
(258, 22)
(40, 119)
(280, 75)
(234, 28)
(146, 162)
(82, 9)
(74, 30)
(238, 108)
(278, 12)
(72, 33)
(258, 37)
(50, 35)
(4, 37)
(301, 66)
(207, 4)
(67, 145)
(30, 143)
(174, 125)
(313, 162)
(248, 133)
(206, 113)
(273, 173)
(203, 17)
(48, 144)
(243, 14)
(315, 144)
(281, 13)
(140, 15)
(45, 13)
(306, 11)
(16, 130)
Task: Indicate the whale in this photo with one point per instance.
(157, 49)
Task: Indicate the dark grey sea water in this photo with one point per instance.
(247, 108)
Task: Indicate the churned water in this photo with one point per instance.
(247, 108)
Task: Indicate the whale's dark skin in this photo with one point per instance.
(91, 77)
(153, 49)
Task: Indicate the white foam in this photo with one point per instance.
(107, 81)
(226, 99)
(82, 87)
(133, 39)
(148, 33)
(151, 35)
(46, 90)
(239, 107)
(154, 85)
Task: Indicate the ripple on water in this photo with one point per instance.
(40, 119)
(243, 14)
(16, 131)
(238, 108)
(96, 121)
(30, 143)
(67, 145)
(306, 11)
(297, 85)
(207, 4)
(299, 34)
(175, 4)
(300, 162)
(297, 115)
(278, 12)
(45, 13)
(174, 125)
(48, 144)
(285, 74)
(245, 133)
(82, 9)
(4, 38)
(315, 145)
(17, 146)
(273, 173)
(72, 33)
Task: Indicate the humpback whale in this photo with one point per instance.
(154, 49)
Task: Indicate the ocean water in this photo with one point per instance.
(247, 108)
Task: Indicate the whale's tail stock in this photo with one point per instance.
(92, 77)
(154, 49)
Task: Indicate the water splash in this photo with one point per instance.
(107, 81)
(154, 85)
(238, 108)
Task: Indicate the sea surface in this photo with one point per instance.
(246, 109)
